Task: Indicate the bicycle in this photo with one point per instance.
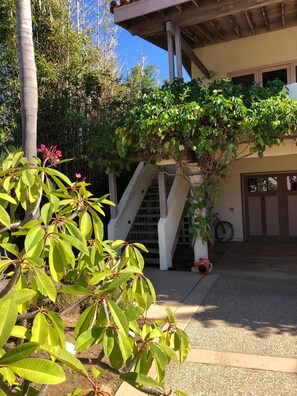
(223, 230)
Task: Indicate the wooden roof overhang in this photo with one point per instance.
(203, 22)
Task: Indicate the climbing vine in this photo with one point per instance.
(211, 122)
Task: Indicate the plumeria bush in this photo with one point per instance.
(51, 239)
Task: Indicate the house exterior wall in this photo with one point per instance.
(247, 53)
(230, 205)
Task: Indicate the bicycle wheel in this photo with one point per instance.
(224, 231)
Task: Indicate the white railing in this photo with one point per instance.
(168, 227)
(292, 88)
(130, 202)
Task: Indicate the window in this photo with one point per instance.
(246, 79)
(280, 74)
(262, 184)
(285, 72)
(292, 183)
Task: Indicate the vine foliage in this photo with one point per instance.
(218, 124)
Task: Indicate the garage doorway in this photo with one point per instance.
(270, 206)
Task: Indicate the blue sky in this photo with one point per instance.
(131, 48)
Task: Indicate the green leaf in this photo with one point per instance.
(39, 371)
(27, 178)
(108, 342)
(133, 313)
(8, 198)
(86, 320)
(82, 247)
(10, 247)
(159, 356)
(19, 332)
(34, 237)
(169, 351)
(39, 329)
(47, 213)
(4, 217)
(76, 289)
(137, 379)
(66, 357)
(85, 225)
(125, 346)
(18, 353)
(46, 284)
(116, 358)
(180, 393)
(116, 282)
(88, 338)
(18, 296)
(56, 262)
(8, 316)
(119, 317)
(140, 246)
(8, 374)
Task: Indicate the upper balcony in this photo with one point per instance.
(203, 23)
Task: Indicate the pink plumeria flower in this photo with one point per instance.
(50, 154)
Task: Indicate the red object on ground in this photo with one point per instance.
(204, 266)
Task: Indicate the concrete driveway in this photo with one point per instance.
(242, 322)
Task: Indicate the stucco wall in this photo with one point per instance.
(229, 204)
(261, 50)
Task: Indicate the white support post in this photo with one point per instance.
(170, 44)
(178, 50)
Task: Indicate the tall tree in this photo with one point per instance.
(28, 77)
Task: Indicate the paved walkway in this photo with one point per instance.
(242, 326)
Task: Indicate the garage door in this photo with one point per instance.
(270, 206)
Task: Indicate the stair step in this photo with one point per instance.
(145, 223)
(143, 232)
(152, 260)
(157, 215)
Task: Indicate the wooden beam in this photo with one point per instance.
(194, 58)
(250, 22)
(283, 14)
(195, 2)
(216, 27)
(143, 7)
(233, 22)
(265, 18)
(199, 15)
(205, 33)
(192, 36)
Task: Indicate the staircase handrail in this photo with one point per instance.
(131, 201)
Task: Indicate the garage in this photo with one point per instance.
(270, 206)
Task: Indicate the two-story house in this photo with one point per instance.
(248, 41)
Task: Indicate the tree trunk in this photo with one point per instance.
(28, 77)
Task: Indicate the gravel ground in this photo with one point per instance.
(206, 380)
(248, 315)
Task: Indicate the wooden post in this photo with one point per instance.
(162, 192)
(170, 44)
(178, 51)
(112, 181)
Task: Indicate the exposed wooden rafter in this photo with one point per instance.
(205, 32)
(233, 22)
(216, 27)
(199, 14)
(283, 14)
(195, 2)
(250, 22)
(192, 36)
(267, 24)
